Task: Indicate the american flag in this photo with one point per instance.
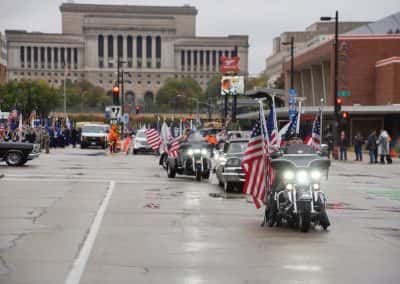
(175, 143)
(153, 137)
(315, 140)
(256, 163)
(272, 126)
(293, 126)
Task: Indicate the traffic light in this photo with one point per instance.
(345, 115)
(338, 106)
(116, 94)
(137, 109)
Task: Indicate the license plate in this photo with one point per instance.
(93, 143)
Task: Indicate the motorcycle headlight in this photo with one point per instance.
(316, 175)
(302, 177)
(288, 175)
(190, 152)
(197, 151)
(204, 151)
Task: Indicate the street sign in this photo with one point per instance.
(126, 118)
(344, 94)
(292, 93)
(114, 111)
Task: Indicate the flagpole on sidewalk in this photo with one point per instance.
(322, 118)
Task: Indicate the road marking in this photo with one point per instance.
(80, 262)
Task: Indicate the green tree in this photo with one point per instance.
(27, 95)
(176, 95)
(260, 81)
(84, 95)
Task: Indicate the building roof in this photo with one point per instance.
(38, 37)
(390, 24)
(98, 8)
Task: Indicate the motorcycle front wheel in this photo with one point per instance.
(305, 222)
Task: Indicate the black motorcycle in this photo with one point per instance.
(193, 160)
(296, 197)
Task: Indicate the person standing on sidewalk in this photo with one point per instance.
(372, 147)
(343, 144)
(383, 147)
(358, 142)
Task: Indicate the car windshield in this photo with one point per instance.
(94, 129)
(140, 134)
(237, 147)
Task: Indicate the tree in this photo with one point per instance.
(261, 81)
(27, 95)
(85, 95)
(176, 95)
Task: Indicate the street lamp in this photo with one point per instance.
(291, 43)
(335, 86)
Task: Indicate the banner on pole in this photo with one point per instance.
(232, 85)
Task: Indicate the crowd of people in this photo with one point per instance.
(48, 137)
(379, 147)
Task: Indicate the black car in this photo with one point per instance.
(17, 154)
(228, 164)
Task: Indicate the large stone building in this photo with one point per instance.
(155, 43)
(3, 59)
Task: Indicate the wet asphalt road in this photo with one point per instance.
(86, 217)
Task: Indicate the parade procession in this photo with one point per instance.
(139, 144)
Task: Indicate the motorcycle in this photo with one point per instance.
(193, 160)
(296, 197)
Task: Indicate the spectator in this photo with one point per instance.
(343, 144)
(384, 147)
(372, 147)
(358, 142)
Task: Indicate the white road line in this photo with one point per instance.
(80, 262)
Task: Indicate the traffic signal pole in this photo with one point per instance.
(336, 78)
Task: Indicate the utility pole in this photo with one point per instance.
(336, 77)
(291, 43)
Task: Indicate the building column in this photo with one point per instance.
(153, 52)
(39, 57)
(105, 55)
(115, 46)
(312, 86)
(217, 61)
(32, 58)
(45, 57)
(134, 52)
(193, 66)
(144, 58)
(124, 48)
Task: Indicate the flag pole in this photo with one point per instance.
(300, 99)
(322, 118)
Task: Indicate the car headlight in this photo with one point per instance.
(233, 163)
(302, 177)
(288, 175)
(316, 175)
(190, 152)
(204, 152)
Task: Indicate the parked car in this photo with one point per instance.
(17, 154)
(140, 143)
(95, 135)
(228, 168)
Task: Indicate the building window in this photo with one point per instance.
(69, 55)
(158, 83)
(100, 46)
(201, 57)
(28, 54)
(129, 47)
(62, 55)
(139, 82)
(148, 82)
(49, 81)
(49, 56)
(139, 51)
(195, 58)
(120, 42)
(158, 51)
(182, 58)
(55, 56)
(110, 42)
(42, 55)
(75, 56)
(149, 46)
(22, 73)
(208, 58)
(35, 54)
(139, 75)
(189, 57)
(101, 81)
(55, 81)
(22, 54)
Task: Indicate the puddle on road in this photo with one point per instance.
(359, 175)
(343, 206)
(227, 195)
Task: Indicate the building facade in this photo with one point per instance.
(152, 43)
(315, 33)
(3, 59)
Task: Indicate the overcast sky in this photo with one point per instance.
(262, 20)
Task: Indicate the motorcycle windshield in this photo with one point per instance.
(301, 156)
